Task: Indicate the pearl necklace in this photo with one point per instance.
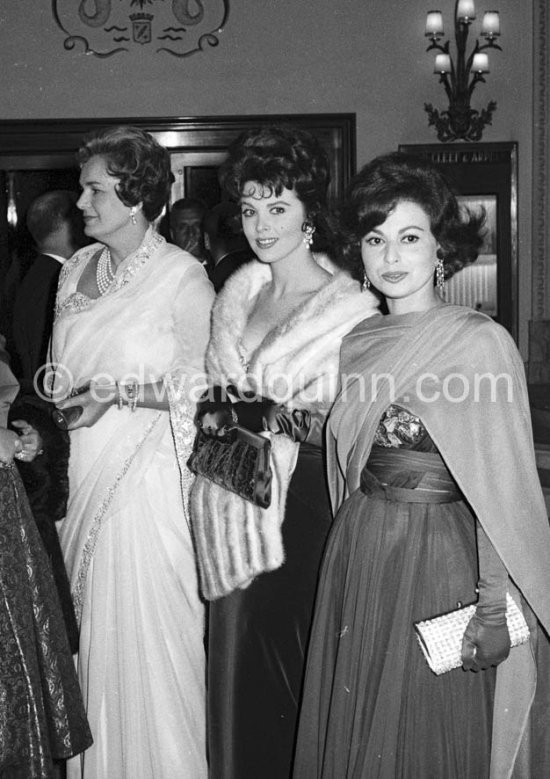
(104, 272)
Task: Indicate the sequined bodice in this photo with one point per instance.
(399, 429)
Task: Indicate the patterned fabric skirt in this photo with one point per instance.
(41, 713)
(372, 707)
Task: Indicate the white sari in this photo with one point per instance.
(126, 537)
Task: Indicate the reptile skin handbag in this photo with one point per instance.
(238, 462)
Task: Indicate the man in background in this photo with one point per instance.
(225, 242)
(186, 227)
(55, 225)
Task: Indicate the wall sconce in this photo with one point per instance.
(459, 78)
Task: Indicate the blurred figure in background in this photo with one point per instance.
(56, 226)
(186, 226)
(225, 242)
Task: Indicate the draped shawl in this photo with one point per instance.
(151, 325)
(461, 374)
(296, 365)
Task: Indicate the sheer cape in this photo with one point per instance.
(461, 374)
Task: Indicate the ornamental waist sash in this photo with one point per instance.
(407, 476)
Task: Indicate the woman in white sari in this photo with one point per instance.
(132, 324)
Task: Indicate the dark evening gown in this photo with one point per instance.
(258, 641)
(41, 712)
(372, 707)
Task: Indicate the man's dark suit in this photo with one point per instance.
(45, 478)
(33, 317)
(227, 265)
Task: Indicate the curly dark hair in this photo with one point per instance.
(278, 157)
(140, 163)
(395, 177)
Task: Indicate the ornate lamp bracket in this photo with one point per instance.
(460, 75)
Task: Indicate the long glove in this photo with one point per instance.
(216, 417)
(487, 640)
(215, 414)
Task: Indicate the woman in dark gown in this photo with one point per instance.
(276, 333)
(439, 503)
(258, 639)
(41, 712)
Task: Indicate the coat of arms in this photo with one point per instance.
(105, 27)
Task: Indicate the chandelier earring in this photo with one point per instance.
(439, 275)
(366, 282)
(133, 217)
(308, 229)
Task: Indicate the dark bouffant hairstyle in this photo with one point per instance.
(138, 160)
(278, 157)
(395, 177)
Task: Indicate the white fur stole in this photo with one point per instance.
(296, 365)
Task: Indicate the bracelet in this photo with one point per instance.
(127, 394)
(119, 400)
(132, 395)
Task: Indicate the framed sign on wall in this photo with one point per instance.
(485, 177)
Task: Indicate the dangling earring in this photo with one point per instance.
(308, 229)
(133, 216)
(366, 282)
(439, 275)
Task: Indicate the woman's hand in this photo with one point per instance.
(217, 423)
(217, 417)
(214, 413)
(486, 642)
(30, 440)
(94, 401)
(10, 444)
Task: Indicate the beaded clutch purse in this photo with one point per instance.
(440, 638)
(239, 462)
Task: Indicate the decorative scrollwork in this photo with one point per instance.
(101, 15)
(180, 9)
(459, 122)
(103, 28)
(208, 39)
(72, 41)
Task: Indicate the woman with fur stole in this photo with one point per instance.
(276, 333)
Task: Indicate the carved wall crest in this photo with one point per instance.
(106, 27)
